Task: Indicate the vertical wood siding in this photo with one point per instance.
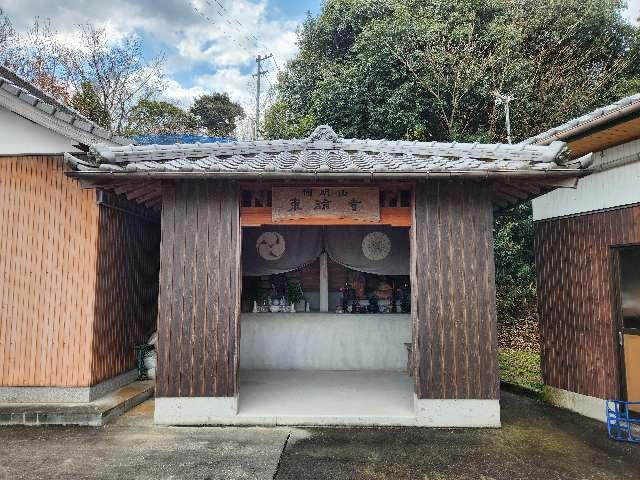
(575, 266)
(199, 304)
(48, 236)
(453, 290)
(127, 285)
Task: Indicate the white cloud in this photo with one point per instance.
(184, 96)
(633, 11)
(229, 80)
(208, 38)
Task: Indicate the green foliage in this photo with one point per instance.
(217, 113)
(426, 70)
(294, 292)
(515, 273)
(520, 368)
(158, 117)
(87, 102)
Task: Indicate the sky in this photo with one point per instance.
(209, 45)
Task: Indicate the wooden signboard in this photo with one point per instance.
(357, 203)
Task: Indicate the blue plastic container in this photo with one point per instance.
(622, 424)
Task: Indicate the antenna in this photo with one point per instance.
(502, 99)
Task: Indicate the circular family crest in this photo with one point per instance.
(376, 246)
(270, 245)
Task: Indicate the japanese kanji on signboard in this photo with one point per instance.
(358, 203)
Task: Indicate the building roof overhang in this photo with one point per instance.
(597, 130)
(324, 156)
(25, 99)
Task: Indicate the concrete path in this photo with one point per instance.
(536, 442)
(139, 452)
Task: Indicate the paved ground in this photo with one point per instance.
(536, 442)
(132, 448)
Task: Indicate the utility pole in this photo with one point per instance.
(502, 99)
(258, 75)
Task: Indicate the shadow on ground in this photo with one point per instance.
(536, 441)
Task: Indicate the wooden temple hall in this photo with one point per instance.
(326, 280)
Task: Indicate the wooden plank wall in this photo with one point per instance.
(48, 235)
(127, 285)
(453, 290)
(575, 266)
(199, 304)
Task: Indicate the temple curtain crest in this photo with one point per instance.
(370, 249)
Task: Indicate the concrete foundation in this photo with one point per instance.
(591, 407)
(195, 410)
(66, 394)
(457, 413)
(346, 398)
(95, 413)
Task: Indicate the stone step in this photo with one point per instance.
(96, 413)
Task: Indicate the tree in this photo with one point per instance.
(118, 74)
(217, 113)
(426, 70)
(9, 54)
(87, 102)
(159, 117)
(36, 55)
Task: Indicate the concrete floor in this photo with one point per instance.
(536, 442)
(294, 397)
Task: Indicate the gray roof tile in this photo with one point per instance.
(325, 154)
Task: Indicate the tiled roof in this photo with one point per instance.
(27, 100)
(323, 154)
(611, 112)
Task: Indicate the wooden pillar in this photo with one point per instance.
(324, 282)
(454, 312)
(199, 302)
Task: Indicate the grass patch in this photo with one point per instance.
(521, 368)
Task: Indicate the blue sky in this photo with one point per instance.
(209, 45)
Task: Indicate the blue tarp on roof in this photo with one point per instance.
(170, 139)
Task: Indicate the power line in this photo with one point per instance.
(230, 20)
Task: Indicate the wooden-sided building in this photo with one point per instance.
(588, 263)
(230, 211)
(78, 268)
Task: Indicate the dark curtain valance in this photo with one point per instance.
(371, 249)
(272, 250)
(378, 250)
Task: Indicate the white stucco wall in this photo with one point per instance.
(21, 136)
(610, 188)
(316, 341)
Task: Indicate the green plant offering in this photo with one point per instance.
(294, 293)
